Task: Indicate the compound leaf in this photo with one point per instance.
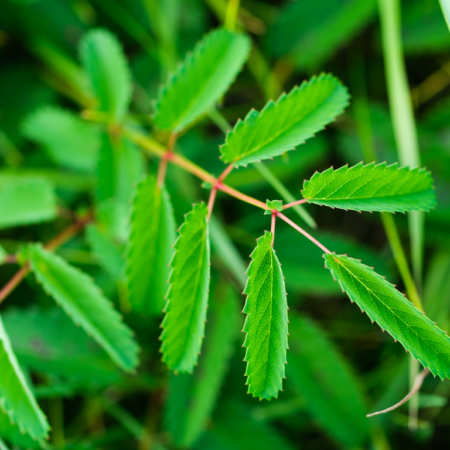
(266, 324)
(372, 188)
(192, 397)
(83, 301)
(393, 312)
(150, 250)
(26, 200)
(185, 311)
(326, 382)
(108, 72)
(201, 80)
(286, 123)
(16, 399)
(47, 341)
(69, 140)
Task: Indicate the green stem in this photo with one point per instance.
(402, 114)
(231, 14)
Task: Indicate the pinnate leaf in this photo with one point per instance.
(201, 80)
(325, 380)
(192, 397)
(372, 188)
(16, 399)
(185, 312)
(393, 312)
(267, 323)
(69, 140)
(26, 200)
(286, 123)
(150, 250)
(83, 301)
(108, 72)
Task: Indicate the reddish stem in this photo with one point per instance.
(58, 240)
(245, 198)
(212, 195)
(162, 168)
(272, 228)
(301, 230)
(298, 202)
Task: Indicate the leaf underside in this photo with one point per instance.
(393, 312)
(372, 188)
(193, 397)
(83, 301)
(107, 71)
(325, 380)
(26, 200)
(16, 399)
(202, 78)
(185, 311)
(151, 239)
(266, 324)
(286, 123)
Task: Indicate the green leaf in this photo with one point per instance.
(3, 446)
(26, 200)
(16, 399)
(107, 70)
(267, 322)
(309, 32)
(201, 80)
(69, 140)
(13, 434)
(150, 247)
(49, 342)
(277, 205)
(185, 312)
(83, 301)
(106, 250)
(325, 380)
(192, 397)
(372, 188)
(393, 312)
(286, 123)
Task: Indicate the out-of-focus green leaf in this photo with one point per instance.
(16, 399)
(393, 312)
(185, 311)
(235, 429)
(107, 71)
(70, 141)
(12, 433)
(286, 123)
(325, 380)
(47, 341)
(201, 80)
(84, 303)
(150, 247)
(267, 322)
(108, 252)
(309, 32)
(372, 188)
(26, 200)
(193, 397)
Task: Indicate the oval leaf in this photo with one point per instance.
(201, 80)
(108, 72)
(151, 240)
(372, 188)
(26, 200)
(16, 399)
(393, 312)
(325, 380)
(83, 301)
(286, 123)
(185, 312)
(267, 323)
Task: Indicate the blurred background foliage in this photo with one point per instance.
(340, 367)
